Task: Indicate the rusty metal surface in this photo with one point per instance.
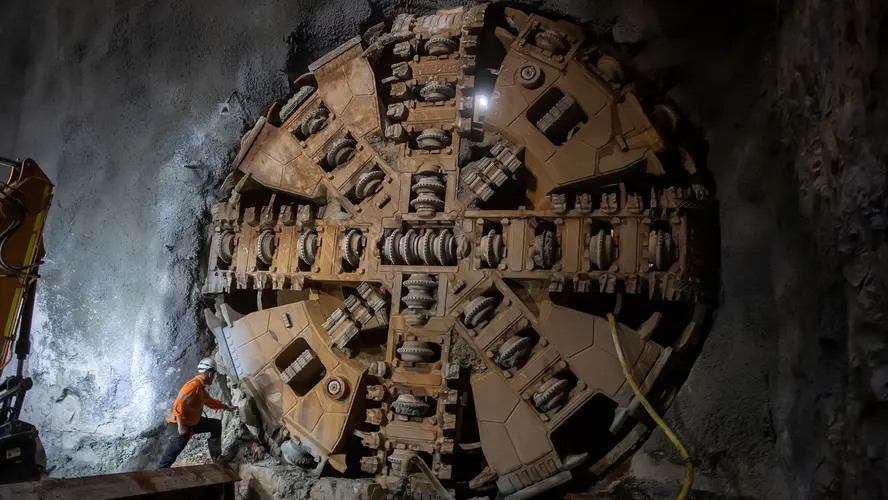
(201, 481)
(454, 264)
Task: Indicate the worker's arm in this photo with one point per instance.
(211, 402)
(183, 429)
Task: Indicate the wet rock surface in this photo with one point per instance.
(787, 399)
(115, 113)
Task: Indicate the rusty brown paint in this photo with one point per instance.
(412, 245)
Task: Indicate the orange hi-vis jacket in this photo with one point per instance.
(189, 404)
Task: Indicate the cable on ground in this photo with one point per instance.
(689, 467)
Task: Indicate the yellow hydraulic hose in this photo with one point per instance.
(689, 467)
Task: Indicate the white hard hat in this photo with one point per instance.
(206, 365)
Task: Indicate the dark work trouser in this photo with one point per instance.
(176, 442)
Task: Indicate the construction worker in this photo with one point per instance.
(187, 417)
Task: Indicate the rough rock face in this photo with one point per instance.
(788, 398)
(114, 113)
(795, 112)
(832, 89)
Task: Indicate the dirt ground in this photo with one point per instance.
(121, 103)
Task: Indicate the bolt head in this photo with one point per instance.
(334, 387)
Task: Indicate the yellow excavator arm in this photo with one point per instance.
(25, 198)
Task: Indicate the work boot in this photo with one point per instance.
(215, 447)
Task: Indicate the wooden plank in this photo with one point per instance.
(620, 451)
(126, 485)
